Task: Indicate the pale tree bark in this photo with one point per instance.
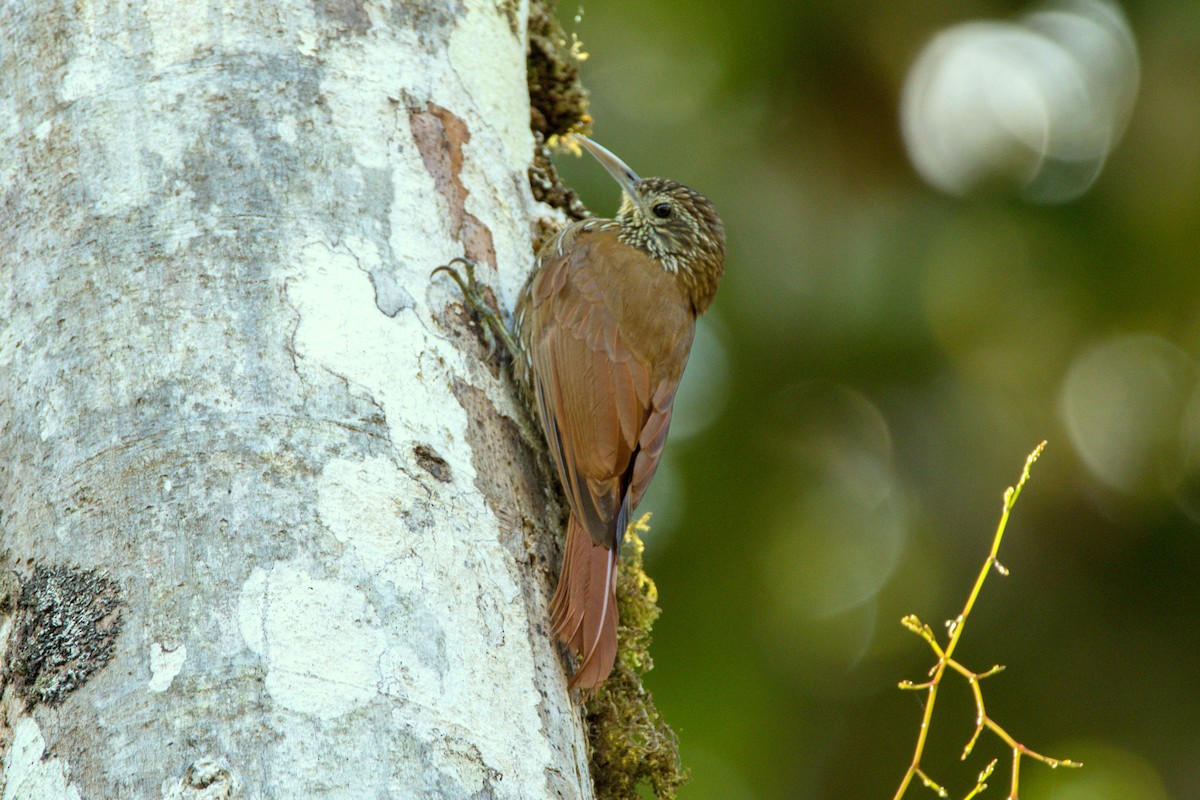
(271, 527)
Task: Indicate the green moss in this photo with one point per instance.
(633, 748)
(558, 105)
(558, 102)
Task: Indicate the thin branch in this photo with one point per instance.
(945, 659)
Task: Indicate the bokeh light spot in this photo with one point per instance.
(839, 536)
(1038, 103)
(832, 552)
(1186, 489)
(1123, 402)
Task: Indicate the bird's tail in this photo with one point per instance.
(583, 610)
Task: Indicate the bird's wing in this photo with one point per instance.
(652, 441)
(594, 395)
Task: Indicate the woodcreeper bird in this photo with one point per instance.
(603, 329)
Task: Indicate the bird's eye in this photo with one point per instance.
(662, 210)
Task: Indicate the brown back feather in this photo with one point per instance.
(606, 332)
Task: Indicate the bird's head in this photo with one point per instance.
(677, 226)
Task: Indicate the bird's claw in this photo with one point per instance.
(470, 286)
(481, 300)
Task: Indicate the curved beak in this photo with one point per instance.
(622, 174)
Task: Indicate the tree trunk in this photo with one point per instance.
(271, 527)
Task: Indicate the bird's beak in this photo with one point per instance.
(620, 171)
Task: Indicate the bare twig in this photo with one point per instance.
(945, 659)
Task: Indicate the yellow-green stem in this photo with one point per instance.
(945, 659)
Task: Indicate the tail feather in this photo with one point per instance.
(583, 611)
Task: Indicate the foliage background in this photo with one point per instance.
(880, 360)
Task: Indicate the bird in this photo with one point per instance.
(602, 332)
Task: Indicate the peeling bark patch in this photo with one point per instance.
(430, 461)
(67, 623)
(440, 136)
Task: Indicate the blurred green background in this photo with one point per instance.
(879, 361)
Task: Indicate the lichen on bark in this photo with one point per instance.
(66, 624)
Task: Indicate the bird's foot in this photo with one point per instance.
(482, 302)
